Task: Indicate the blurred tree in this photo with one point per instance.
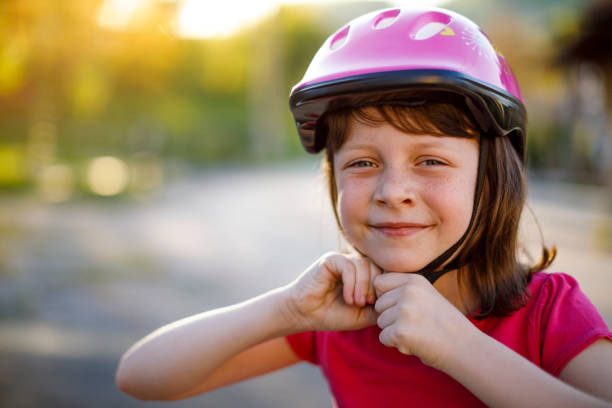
(586, 59)
(79, 82)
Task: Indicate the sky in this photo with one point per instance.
(214, 18)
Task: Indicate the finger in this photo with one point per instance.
(348, 282)
(368, 316)
(374, 272)
(388, 338)
(387, 318)
(344, 270)
(391, 280)
(362, 280)
(386, 300)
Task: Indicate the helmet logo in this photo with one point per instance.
(475, 40)
(447, 31)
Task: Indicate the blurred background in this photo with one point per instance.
(149, 170)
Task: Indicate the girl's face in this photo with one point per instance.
(404, 199)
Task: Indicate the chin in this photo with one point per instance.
(398, 264)
(396, 259)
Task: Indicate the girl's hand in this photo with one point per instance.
(416, 319)
(335, 293)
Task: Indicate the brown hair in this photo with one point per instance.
(490, 251)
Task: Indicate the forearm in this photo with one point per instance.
(181, 355)
(502, 378)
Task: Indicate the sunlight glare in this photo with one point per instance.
(205, 19)
(116, 14)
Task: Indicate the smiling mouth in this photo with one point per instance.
(398, 229)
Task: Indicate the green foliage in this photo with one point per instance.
(72, 89)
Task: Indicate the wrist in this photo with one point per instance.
(462, 347)
(293, 320)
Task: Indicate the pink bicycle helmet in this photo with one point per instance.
(405, 49)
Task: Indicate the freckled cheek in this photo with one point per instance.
(453, 202)
(352, 204)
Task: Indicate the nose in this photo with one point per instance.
(395, 188)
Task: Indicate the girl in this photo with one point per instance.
(424, 130)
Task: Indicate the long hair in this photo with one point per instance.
(489, 254)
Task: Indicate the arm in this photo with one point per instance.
(179, 359)
(502, 378)
(417, 320)
(591, 370)
(258, 360)
(223, 346)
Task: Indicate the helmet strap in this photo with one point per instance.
(431, 271)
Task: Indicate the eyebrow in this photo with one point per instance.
(419, 144)
(358, 146)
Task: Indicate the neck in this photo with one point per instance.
(461, 296)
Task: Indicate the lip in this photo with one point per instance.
(398, 229)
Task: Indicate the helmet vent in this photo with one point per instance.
(430, 24)
(428, 31)
(339, 39)
(385, 19)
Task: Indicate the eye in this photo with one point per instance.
(361, 163)
(432, 162)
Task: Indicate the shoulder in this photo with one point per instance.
(558, 296)
(550, 291)
(549, 294)
(566, 321)
(557, 322)
(551, 282)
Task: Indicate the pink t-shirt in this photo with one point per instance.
(557, 323)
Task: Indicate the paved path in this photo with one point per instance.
(79, 282)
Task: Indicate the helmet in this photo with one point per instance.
(409, 49)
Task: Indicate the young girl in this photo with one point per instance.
(424, 130)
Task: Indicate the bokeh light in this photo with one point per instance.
(107, 176)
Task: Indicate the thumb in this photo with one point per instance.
(368, 316)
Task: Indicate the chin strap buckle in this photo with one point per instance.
(433, 276)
